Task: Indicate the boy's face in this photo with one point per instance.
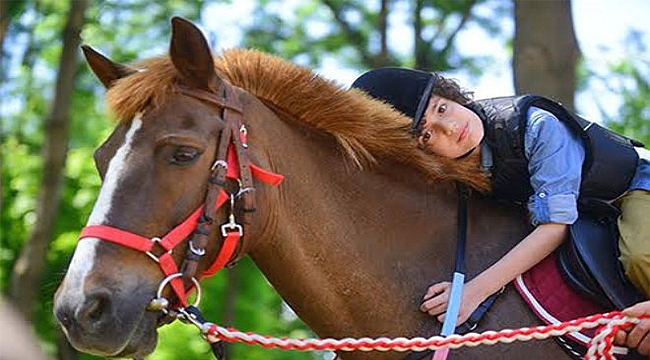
(449, 129)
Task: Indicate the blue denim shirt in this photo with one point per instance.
(553, 152)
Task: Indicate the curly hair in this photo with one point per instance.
(451, 90)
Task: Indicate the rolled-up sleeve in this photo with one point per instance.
(555, 156)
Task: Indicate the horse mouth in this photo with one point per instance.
(141, 342)
(145, 337)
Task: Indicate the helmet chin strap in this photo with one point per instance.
(467, 153)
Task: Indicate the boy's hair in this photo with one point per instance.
(450, 90)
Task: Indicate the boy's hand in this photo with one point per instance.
(436, 300)
(637, 336)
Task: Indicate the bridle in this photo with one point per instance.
(231, 162)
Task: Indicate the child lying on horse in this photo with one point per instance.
(533, 152)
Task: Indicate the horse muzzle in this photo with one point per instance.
(107, 323)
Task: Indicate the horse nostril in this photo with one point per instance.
(64, 316)
(95, 309)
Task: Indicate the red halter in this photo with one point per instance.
(232, 232)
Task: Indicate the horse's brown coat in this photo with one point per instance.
(352, 250)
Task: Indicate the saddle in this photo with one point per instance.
(589, 259)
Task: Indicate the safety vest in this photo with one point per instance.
(610, 159)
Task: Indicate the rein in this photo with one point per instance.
(231, 162)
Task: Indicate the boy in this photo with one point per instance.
(530, 155)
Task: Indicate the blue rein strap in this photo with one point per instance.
(458, 279)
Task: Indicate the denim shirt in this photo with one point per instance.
(554, 152)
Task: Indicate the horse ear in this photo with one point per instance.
(191, 55)
(104, 68)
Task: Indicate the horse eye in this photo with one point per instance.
(184, 155)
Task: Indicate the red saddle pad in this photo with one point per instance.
(554, 301)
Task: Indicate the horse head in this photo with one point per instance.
(159, 169)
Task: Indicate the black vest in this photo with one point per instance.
(610, 159)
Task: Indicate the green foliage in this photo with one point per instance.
(630, 82)
(20, 178)
(310, 32)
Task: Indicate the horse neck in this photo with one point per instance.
(345, 247)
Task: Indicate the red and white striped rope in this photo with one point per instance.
(601, 347)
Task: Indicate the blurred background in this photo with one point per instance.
(592, 55)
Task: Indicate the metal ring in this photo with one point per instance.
(152, 256)
(171, 277)
(155, 258)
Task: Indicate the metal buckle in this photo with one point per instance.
(160, 303)
(186, 316)
(244, 190)
(231, 224)
(244, 131)
(151, 255)
(219, 163)
(195, 251)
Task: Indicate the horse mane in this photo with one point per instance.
(365, 128)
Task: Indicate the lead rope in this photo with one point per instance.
(600, 348)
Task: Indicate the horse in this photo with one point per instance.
(360, 226)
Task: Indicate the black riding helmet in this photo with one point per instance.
(407, 90)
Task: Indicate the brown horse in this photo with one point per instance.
(361, 225)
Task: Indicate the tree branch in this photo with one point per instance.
(466, 15)
(355, 37)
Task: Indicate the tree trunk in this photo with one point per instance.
(383, 58)
(420, 47)
(4, 24)
(545, 50)
(28, 270)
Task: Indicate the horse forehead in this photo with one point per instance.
(182, 110)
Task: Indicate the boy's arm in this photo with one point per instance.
(530, 251)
